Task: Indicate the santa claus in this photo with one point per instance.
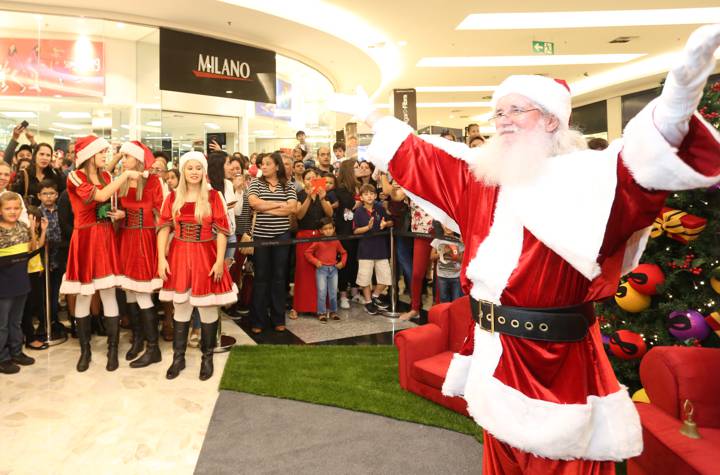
(549, 227)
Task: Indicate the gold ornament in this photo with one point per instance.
(630, 299)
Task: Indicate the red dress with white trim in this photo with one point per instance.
(92, 258)
(138, 242)
(192, 254)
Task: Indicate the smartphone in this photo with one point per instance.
(24, 124)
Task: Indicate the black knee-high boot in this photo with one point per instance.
(150, 329)
(137, 332)
(180, 337)
(112, 328)
(208, 340)
(83, 329)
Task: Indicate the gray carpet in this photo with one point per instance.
(353, 322)
(255, 434)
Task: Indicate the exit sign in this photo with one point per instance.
(543, 47)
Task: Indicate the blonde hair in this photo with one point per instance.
(202, 203)
(140, 167)
(8, 196)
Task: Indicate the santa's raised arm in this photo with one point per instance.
(548, 224)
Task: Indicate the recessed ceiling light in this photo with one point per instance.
(120, 25)
(455, 88)
(74, 115)
(228, 92)
(19, 115)
(589, 19)
(539, 60)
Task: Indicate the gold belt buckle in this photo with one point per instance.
(492, 313)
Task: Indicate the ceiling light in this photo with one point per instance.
(539, 60)
(54, 129)
(455, 88)
(63, 125)
(211, 125)
(589, 19)
(19, 115)
(154, 123)
(228, 92)
(74, 115)
(402, 43)
(120, 25)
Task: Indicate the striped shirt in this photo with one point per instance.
(268, 225)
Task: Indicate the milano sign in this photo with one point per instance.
(201, 65)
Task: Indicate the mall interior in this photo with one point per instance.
(362, 390)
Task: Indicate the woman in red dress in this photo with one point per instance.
(140, 202)
(194, 271)
(92, 258)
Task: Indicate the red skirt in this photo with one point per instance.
(305, 291)
(138, 260)
(189, 279)
(92, 260)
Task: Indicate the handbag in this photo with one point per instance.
(248, 251)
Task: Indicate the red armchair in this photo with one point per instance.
(670, 375)
(425, 352)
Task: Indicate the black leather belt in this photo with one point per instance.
(562, 324)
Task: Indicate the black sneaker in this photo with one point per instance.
(379, 303)
(8, 367)
(371, 308)
(22, 359)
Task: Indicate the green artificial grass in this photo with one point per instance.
(359, 378)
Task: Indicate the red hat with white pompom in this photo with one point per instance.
(139, 151)
(553, 95)
(87, 147)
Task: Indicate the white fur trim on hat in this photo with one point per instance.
(545, 92)
(133, 150)
(96, 146)
(199, 156)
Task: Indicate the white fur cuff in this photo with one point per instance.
(456, 377)
(390, 133)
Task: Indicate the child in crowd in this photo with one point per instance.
(324, 256)
(373, 253)
(16, 240)
(449, 256)
(48, 196)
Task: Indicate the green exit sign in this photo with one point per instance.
(543, 47)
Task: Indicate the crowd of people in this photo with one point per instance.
(126, 237)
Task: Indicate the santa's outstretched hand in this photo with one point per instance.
(685, 82)
(358, 105)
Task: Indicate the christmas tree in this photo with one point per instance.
(685, 247)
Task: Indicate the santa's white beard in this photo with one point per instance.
(513, 156)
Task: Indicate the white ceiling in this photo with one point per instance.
(427, 27)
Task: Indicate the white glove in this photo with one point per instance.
(684, 84)
(358, 105)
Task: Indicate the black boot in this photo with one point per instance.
(98, 327)
(73, 327)
(180, 337)
(137, 334)
(150, 329)
(82, 327)
(208, 340)
(112, 328)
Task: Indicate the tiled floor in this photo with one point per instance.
(56, 420)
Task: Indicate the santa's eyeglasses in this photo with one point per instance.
(511, 114)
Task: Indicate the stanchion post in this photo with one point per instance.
(392, 313)
(48, 322)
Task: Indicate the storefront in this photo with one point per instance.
(69, 77)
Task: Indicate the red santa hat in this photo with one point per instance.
(199, 156)
(553, 95)
(139, 151)
(86, 147)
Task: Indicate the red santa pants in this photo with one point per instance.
(421, 257)
(501, 459)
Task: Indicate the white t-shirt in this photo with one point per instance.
(448, 268)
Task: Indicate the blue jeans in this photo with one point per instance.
(404, 254)
(11, 335)
(326, 278)
(449, 288)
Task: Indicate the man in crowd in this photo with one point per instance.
(13, 154)
(549, 227)
(323, 162)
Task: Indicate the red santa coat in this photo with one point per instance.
(563, 239)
